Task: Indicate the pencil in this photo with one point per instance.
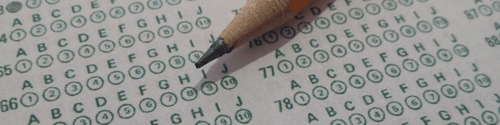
(255, 18)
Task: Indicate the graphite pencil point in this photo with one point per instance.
(216, 50)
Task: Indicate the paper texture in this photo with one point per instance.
(387, 62)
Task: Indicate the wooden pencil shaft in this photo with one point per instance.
(256, 18)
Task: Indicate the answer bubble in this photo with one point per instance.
(38, 30)
(168, 99)
(126, 111)
(44, 61)
(23, 66)
(51, 94)
(73, 88)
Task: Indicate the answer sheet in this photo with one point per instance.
(344, 62)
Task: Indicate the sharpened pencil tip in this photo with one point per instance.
(216, 50)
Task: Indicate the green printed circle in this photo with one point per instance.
(44, 61)
(155, 4)
(285, 66)
(209, 88)
(410, 65)
(229, 82)
(445, 55)
(195, 55)
(391, 36)
(320, 92)
(483, 80)
(338, 87)
(146, 36)
(136, 8)
(17, 35)
(357, 119)
(461, 50)
(202, 123)
(165, 31)
(452, 123)
(117, 12)
(424, 26)
(407, 31)
(32, 4)
(147, 105)
(449, 91)
(392, 70)
(372, 9)
(82, 120)
(38, 30)
(389, 5)
(485, 10)
(431, 96)
(97, 16)
(356, 13)
(440, 22)
(23, 66)
(356, 46)
(466, 85)
(60, 123)
(107, 46)
(338, 51)
(136, 72)
(116, 77)
(73, 88)
(202, 22)
(173, 2)
(223, 120)
(29, 99)
(189, 93)
(287, 32)
(338, 122)
(427, 60)
(270, 37)
(357, 81)
(305, 27)
(168, 99)
(406, 2)
(395, 108)
(52, 2)
(413, 102)
(322, 22)
(373, 41)
(303, 61)
(243, 116)
(184, 27)
(471, 120)
(177, 62)
(496, 6)
(95, 83)
(489, 118)
(104, 117)
(126, 111)
(86, 51)
(321, 56)
(51, 94)
(65, 56)
(157, 67)
(338, 18)
(376, 114)
(126, 41)
(301, 98)
(374, 76)
(78, 21)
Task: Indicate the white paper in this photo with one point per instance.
(457, 60)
